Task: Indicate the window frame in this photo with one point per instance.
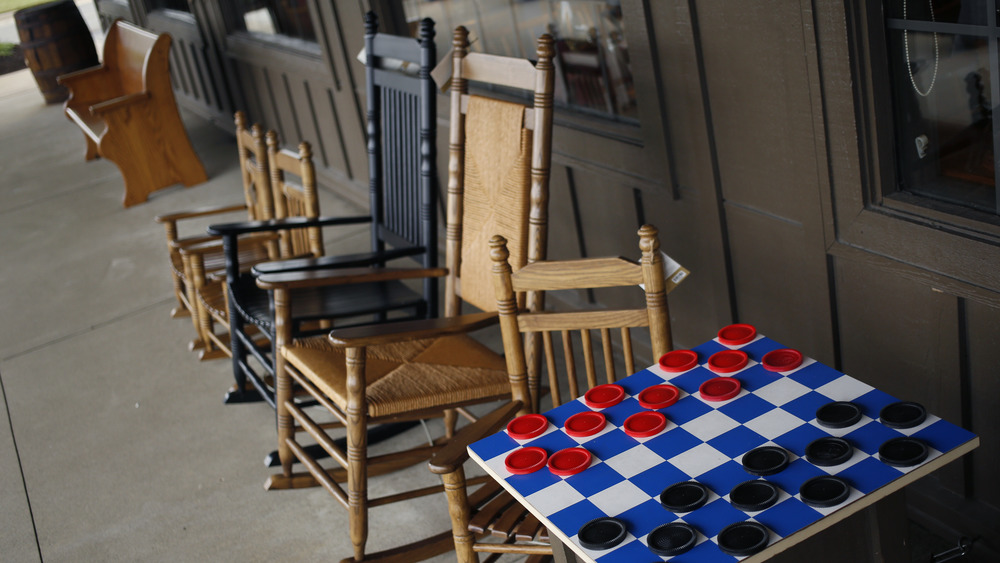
(949, 247)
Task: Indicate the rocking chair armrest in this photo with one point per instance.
(213, 244)
(337, 261)
(200, 212)
(403, 331)
(301, 279)
(233, 229)
(451, 457)
(195, 242)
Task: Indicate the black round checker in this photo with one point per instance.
(838, 414)
(684, 496)
(903, 452)
(904, 414)
(753, 496)
(743, 539)
(672, 539)
(765, 460)
(829, 451)
(602, 533)
(824, 491)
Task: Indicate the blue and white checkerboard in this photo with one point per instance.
(705, 442)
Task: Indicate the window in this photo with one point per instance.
(593, 72)
(178, 5)
(943, 59)
(277, 17)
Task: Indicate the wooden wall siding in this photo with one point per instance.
(902, 337)
(766, 125)
(983, 397)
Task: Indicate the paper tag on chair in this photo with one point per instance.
(388, 63)
(673, 273)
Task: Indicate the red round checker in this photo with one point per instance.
(658, 397)
(737, 334)
(604, 396)
(527, 426)
(728, 361)
(720, 389)
(569, 461)
(525, 460)
(644, 424)
(583, 424)
(784, 359)
(677, 361)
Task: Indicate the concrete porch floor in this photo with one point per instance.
(117, 446)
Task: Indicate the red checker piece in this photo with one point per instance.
(644, 424)
(737, 334)
(569, 461)
(525, 460)
(585, 423)
(527, 426)
(658, 396)
(720, 389)
(604, 396)
(784, 359)
(677, 361)
(728, 361)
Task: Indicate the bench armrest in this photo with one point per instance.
(456, 451)
(233, 229)
(109, 106)
(71, 78)
(200, 212)
(386, 333)
(338, 261)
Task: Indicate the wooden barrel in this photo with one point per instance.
(55, 40)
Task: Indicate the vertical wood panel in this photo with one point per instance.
(902, 337)
(983, 329)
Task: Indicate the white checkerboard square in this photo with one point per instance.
(634, 461)
(711, 425)
(554, 498)
(782, 391)
(619, 498)
(845, 389)
(774, 423)
(698, 460)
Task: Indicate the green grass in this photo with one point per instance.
(6, 49)
(12, 5)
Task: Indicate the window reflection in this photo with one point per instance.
(592, 61)
(277, 17)
(179, 5)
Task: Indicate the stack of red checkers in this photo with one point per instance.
(604, 396)
(644, 424)
(720, 389)
(527, 426)
(583, 424)
(737, 334)
(677, 361)
(569, 461)
(658, 397)
(728, 361)
(784, 359)
(525, 460)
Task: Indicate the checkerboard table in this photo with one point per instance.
(705, 441)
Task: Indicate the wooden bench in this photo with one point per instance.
(126, 109)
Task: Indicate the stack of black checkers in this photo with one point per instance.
(905, 451)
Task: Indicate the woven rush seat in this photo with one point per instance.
(407, 376)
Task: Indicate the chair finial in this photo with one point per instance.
(460, 39)
(272, 140)
(426, 30)
(241, 119)
(305, 150)
(371, 23)
(545, 50)
(649, 242)
(498, 249)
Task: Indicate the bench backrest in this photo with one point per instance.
(130, 54)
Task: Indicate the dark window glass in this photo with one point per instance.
(179, 5)
(592, 61)
(277, 17)
(943, 58)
